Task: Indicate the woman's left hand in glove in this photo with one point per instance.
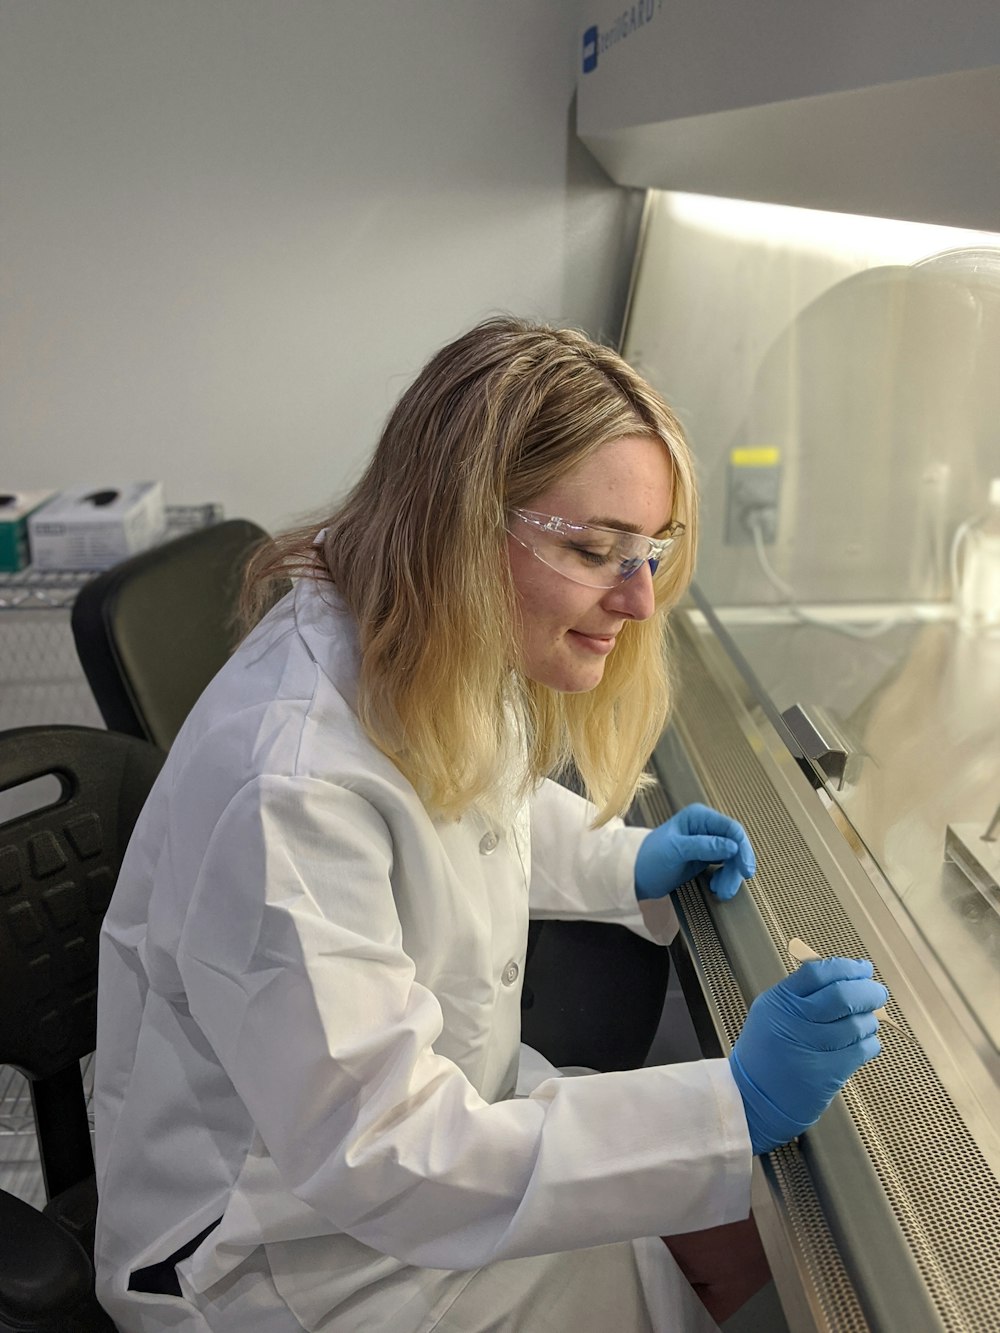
(687, 844)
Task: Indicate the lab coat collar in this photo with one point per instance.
(330, 634)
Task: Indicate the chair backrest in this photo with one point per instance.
(58, 867)
(152, 631)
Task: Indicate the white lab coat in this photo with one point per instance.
(308, 1023)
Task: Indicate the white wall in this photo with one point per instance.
(232, 230)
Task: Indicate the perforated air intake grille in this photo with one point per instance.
(939, 1186)
(831, 1287)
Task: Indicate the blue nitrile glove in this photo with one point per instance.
(688, 843)
(802, 1041)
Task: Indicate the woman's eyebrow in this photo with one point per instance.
(618, 524)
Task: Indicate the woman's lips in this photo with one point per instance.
(594, 643)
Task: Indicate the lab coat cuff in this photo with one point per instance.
(652, 918)
(735, 1171)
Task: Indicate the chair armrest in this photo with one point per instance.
(43, 1271)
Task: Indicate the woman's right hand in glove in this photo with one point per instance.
(802, 1040)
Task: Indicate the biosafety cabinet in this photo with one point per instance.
(817, 294)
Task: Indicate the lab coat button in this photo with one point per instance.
(510, 974)
(488, 843)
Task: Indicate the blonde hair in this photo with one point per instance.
(417, 551)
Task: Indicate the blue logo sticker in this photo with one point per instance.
(590, 49)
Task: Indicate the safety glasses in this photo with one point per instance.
(586, 553)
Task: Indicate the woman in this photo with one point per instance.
(308, 1053)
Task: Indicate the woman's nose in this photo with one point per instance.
(635, 597)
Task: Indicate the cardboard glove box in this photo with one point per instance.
(93, 527)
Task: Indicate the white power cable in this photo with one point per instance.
(753, 522)
(956, 542)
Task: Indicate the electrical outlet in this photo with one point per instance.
(753, 487)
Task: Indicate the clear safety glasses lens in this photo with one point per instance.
(595, 556)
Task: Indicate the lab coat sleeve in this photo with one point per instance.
(294, 970)
(582, 873)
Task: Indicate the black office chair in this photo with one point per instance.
(152, 631)
(58, 866)
(150, 634)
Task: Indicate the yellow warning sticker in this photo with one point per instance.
(761, 455)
